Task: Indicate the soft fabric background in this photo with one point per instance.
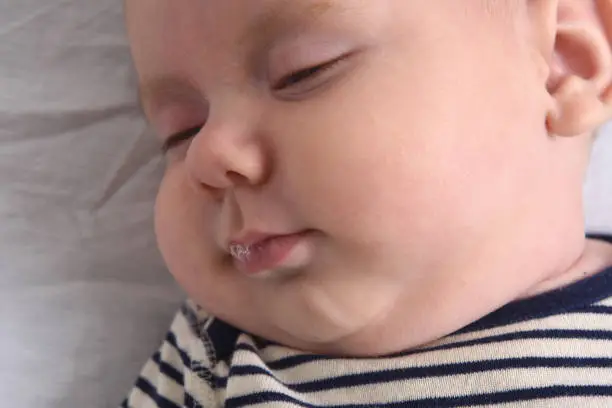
(84, 297)
(598, 187)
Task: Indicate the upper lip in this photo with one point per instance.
(251, 238)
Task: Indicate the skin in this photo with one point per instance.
(433, 160)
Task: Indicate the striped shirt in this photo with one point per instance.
(553, 350)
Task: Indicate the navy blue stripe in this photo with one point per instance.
(413, 373)
(266, 397)
(572, 298)
(124, 404)
(171, 340)
(145, 386)
(212, 379)
(297, 360)
(598, 309)
(288, 362)
(221, 335)
(547, 393)
(521, 335)
(223, 338)
(191, 403)
(600, 237)
(203, 372)
(167, 369)
(464, 401)
(192, 318)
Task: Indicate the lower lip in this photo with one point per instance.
(283, 252)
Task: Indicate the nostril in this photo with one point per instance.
(236, 178)
(215, 193)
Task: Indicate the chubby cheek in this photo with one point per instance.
(183, 232)
(405, 155)
(371, 177)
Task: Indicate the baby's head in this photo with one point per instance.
(417, 164)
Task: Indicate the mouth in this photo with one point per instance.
(260, 253)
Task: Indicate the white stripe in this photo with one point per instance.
(605, 302)
(189, 341)
(139, 399)
(170, 355)
(433, 387)
(563, 402)
(538, 348)
(201, 391)
(165, 386)
(276, 352)
(572, 321)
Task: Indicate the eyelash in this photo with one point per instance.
(179, 138)
(302, 75)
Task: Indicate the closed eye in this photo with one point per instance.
(179, 138)
(305, 74)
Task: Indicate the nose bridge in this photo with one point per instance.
(233, 110)
(228, 149)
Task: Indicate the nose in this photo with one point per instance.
(227, 154)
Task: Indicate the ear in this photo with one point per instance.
(575, 40)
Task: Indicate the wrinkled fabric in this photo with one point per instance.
(84, 296)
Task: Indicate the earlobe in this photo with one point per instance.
(580, 64)
(578, 108)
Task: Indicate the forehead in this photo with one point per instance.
(220, 13)
(214, 20)
(188, 38)
(164, 25)
(178, 36)
(177, 40)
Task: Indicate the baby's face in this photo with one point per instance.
(395, 152)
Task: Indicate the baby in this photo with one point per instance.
(378, 203)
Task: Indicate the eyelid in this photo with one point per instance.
(186, 115)
(180, 137)
(308, 52)
(308, 74)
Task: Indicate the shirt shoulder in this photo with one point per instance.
(181, 372)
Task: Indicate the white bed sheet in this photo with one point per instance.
(84, 297)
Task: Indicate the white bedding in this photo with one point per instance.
(84, 297)
(598, 187)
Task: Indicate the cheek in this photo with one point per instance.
(372, 163)
(168, 228)
(184, 224)
(412, 151)
(183, 232)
